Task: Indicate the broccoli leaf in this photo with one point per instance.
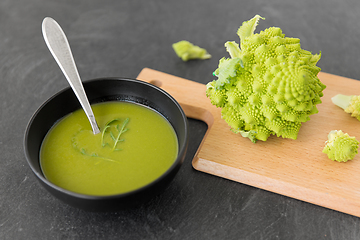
(248, 27)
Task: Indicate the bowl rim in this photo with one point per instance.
(177, 161)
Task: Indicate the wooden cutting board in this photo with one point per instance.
(294, 168)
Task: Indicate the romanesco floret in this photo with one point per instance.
(340, 146)
(269, 86)
(350, 104)
(187, 51)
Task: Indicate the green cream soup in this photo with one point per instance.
(136, 145)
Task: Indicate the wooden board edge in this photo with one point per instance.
(332, 202)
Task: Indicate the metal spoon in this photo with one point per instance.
(59, 47)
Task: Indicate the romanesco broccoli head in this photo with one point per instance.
(268, 86)
(340, 146)
(350, 104)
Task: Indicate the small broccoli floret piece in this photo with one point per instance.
(186, 51)
(340, 146)
(268, 86)
(350, 104)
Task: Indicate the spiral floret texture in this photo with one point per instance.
(269, 86)
(354, 107)
(340, 146)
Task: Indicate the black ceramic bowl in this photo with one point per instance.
(100, 90)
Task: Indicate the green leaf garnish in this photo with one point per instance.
(103, 134)
(114, 136)
(123, 129)
(114, 133)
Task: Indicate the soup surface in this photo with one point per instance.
(136, 145)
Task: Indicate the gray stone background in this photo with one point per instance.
(119, 38)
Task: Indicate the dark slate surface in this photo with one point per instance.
(119, 38)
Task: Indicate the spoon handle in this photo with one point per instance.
(59, 47)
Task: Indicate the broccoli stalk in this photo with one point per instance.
(350, 104)
(340, 146)
(268, 86)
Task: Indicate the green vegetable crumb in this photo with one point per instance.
(268, 86)
(350, 104)
(340, 146)
(187, 51)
